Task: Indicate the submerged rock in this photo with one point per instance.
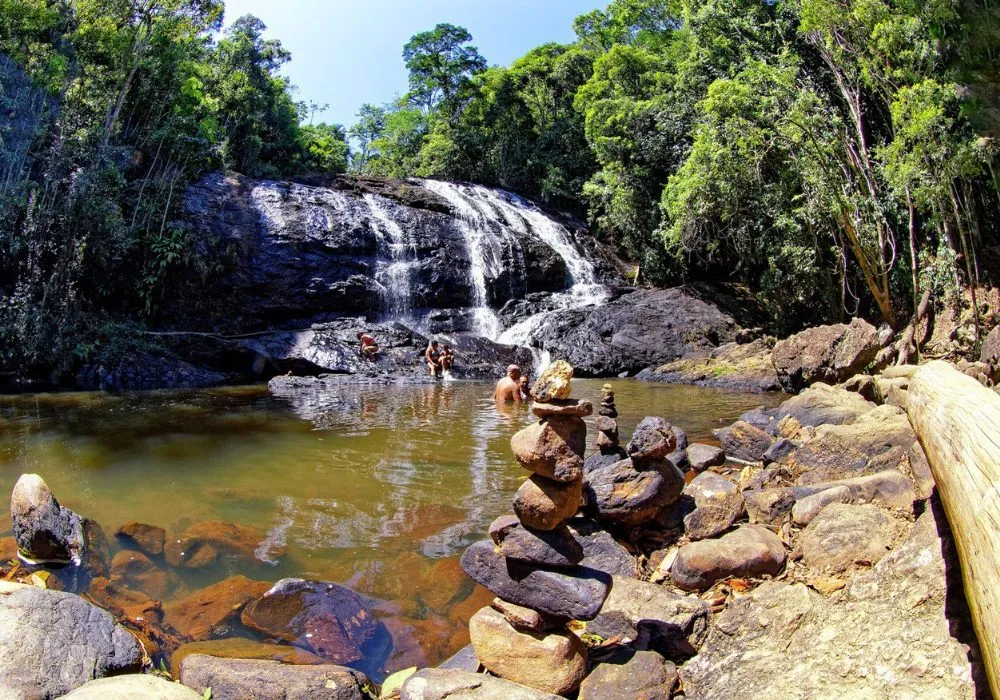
(639, 675)
(243, 648)
(553, 661)
(137, 571)
(271, 680)
(749, 551)
(442, 684)
(148, 539)
(213, 611)
(203, 544)
(45, 531)
(53, 642)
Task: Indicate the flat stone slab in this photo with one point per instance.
(235, 679)
(748, 551)
(441, 684)
(132, 687)
(554, 548)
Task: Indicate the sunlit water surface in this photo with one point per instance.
(378, 487)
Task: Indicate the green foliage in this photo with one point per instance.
(441, 62)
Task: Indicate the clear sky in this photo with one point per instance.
(348, 52)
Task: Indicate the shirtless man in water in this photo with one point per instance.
(509, 387)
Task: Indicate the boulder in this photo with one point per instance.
(205, 543)
(235, 679)
(653, 440)
(553, 662)
(565, 407)
(552, 448)
(828, 354)
(709, 488)
(626, 495)
(554, 548)
(750, 551)
(53, 642)
(742, 367)
(213, 612)
(701, 456)
(450, 684)
(639, 675)
(543, 504)
(243, 648)
(891, 636)
(44, 530)
(605, 458)
(148, 539)
(711, 520)
(648, 616)
(743, 441)
(328, 619)
(805, 509)
(132, 686)
(574, 594)
(779, 449)
(554, 383)
(601, 551)
(823, 404)
(135, 570)
(844, 535)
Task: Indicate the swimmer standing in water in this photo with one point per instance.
(509, 388)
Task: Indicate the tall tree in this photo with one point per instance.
(440, 62)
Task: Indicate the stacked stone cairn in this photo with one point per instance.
(532, 562)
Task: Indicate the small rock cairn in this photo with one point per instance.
(532, 562)
(607, 426)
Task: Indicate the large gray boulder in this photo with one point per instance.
(442, 684)
(237, 679)
(45, 531)
(133, 686)
(828, 354)
(640, 675)
(52, 642)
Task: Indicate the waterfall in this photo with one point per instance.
(394, 277)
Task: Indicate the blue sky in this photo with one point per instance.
(348, 52)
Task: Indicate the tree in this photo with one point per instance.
(440, 62)
(370, 125)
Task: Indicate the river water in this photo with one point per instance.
(378, 487)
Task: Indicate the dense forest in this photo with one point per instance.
(836, 156)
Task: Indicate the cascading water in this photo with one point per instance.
(395, 275)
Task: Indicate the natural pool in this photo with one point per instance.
(380, 487)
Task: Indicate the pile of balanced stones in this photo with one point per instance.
(532, 562)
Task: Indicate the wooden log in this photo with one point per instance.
(957, 421)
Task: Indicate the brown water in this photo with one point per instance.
(378, 487)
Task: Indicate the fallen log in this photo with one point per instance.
(957, 421)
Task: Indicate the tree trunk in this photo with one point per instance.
(957, 421)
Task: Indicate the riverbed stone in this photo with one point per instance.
(652, 440)
(133, 686)
(45, 531)
(148, 539)
(822, 404)
(828, 354)
(52, 642)
(236, 679)
(648, 616)
(523, 618)
(710, 488)
(626, 495)
(567, 407)
(543, 504)
(124, 603)
(744, 442)
(554, 548)
(451, 684)
(608, 426)
(553, 662)
(601, 550)
(205, 543)
(750, 551)
(638, 675)
(805, 509)
(135, 570)
(574, 594)
(243, 648)
(778, 449)
(554, 382)
(326, 618)
(711, 520)
(552, 448)
(843, 535)
(214, 611)
(702, 456)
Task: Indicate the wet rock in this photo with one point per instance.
(136, 571)
(785, 641)
(328, 619)
(828, 354)
(523, 618)
(711, 520)
(701, 456)
(543, 504)
(553, 662)
(780, 448)
(53, 642)
(622, 494)
(652, 440)
(439, 684)
(554, 382)
(125, 603)
(234, 679)
(44, 530)
(132, 686)
(843, 535)
(640, 675)
(555, 548)
(648, 616)
(743, 441)
(574, 594)
(709, 488)
(552, 448)
(601, 551)
(205, 543)
(566, 407)
(148, 539)
(214, 611)
(749, 551)
(805, 509)
(243, 648)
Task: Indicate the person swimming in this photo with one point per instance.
(509, 388)
(524, 387)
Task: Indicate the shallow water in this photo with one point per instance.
(378, 487)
